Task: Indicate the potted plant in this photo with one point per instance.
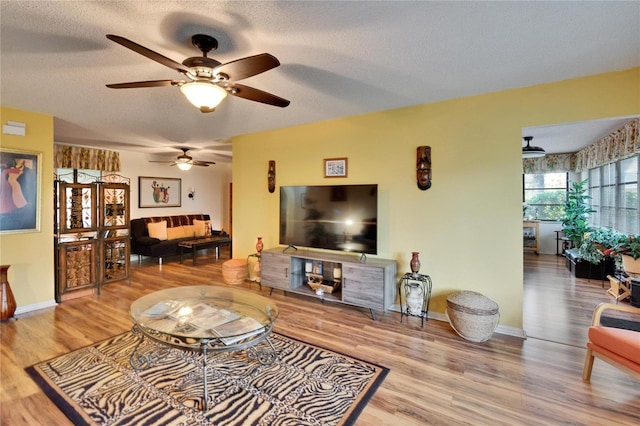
(598, 244)
(628, 248)
(576, 214)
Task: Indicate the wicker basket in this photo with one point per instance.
(235, 271)
(473, 316)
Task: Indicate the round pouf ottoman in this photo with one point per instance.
(473, 316)
(235, 271)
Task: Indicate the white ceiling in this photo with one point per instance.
(338, 59)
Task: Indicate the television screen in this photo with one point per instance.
(333, 217)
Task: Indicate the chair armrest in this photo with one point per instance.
(597, 313)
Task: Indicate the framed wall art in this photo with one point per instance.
(159, 192)
(20, 191)
(335, 167)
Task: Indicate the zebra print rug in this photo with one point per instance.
(305, 385)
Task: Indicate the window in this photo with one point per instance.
(545, 194)
(83, 176)
(614, 195)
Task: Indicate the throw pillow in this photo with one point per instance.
(158, 230)
(189, 231)
(202, 228)
(175, 232)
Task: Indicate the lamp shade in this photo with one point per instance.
(203, 94)
(531, 151)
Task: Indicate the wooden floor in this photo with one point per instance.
(436, 377)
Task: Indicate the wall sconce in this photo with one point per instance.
(192, 193)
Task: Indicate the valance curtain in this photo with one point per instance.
(620, 144)
(551, 163)
(77, 157)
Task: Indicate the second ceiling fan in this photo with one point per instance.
(207, 82)
(184, 161)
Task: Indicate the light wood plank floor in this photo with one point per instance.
(436, 378)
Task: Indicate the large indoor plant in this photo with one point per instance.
(576, 214)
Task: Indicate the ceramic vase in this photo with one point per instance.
(259, 245)
(415, 299)
(415, 262)
(8, 307)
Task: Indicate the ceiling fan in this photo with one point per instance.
(207, 82)
(184, 161)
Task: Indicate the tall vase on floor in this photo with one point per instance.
(415, 263)
(259, 246)
(8, 307)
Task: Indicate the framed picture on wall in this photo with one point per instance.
(335, 167)
(20, 191)
(159, 192)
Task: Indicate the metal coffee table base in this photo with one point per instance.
(264, 354)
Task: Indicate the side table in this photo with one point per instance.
(415, 295)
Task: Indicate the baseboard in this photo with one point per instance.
(35, 307)
(501, 329)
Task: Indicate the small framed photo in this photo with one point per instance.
(159, 192)
(335, 167)
(21, 188)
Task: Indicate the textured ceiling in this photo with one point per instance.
(338, 59)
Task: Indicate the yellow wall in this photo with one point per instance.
(468, 225)
(31, 254)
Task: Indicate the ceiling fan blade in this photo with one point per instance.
(150, 83)
(162, 161)
(257, 95)
(247, 67)
(161, 59)
(202, 163)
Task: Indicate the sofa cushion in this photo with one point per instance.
(175, 233)
(157, 230)
(625, 343)
(147, 241)
(189, 231)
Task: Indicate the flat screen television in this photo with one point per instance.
(332, 217)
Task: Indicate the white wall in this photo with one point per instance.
(211, 186)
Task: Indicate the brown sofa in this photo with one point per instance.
(179, 228)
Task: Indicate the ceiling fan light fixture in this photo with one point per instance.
(186, 165)
(532, 151)
(203, 94)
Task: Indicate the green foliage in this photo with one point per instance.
(548, 205)
(576, 213)
(598, 243)
(629, 245)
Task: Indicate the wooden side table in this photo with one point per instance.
(415, 295)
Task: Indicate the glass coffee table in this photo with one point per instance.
(206, 319)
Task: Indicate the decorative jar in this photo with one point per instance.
(415, 262)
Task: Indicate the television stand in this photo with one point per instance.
(344, 278)
(290, 247)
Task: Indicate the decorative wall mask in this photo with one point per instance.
(423, 167)
(271, 176)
